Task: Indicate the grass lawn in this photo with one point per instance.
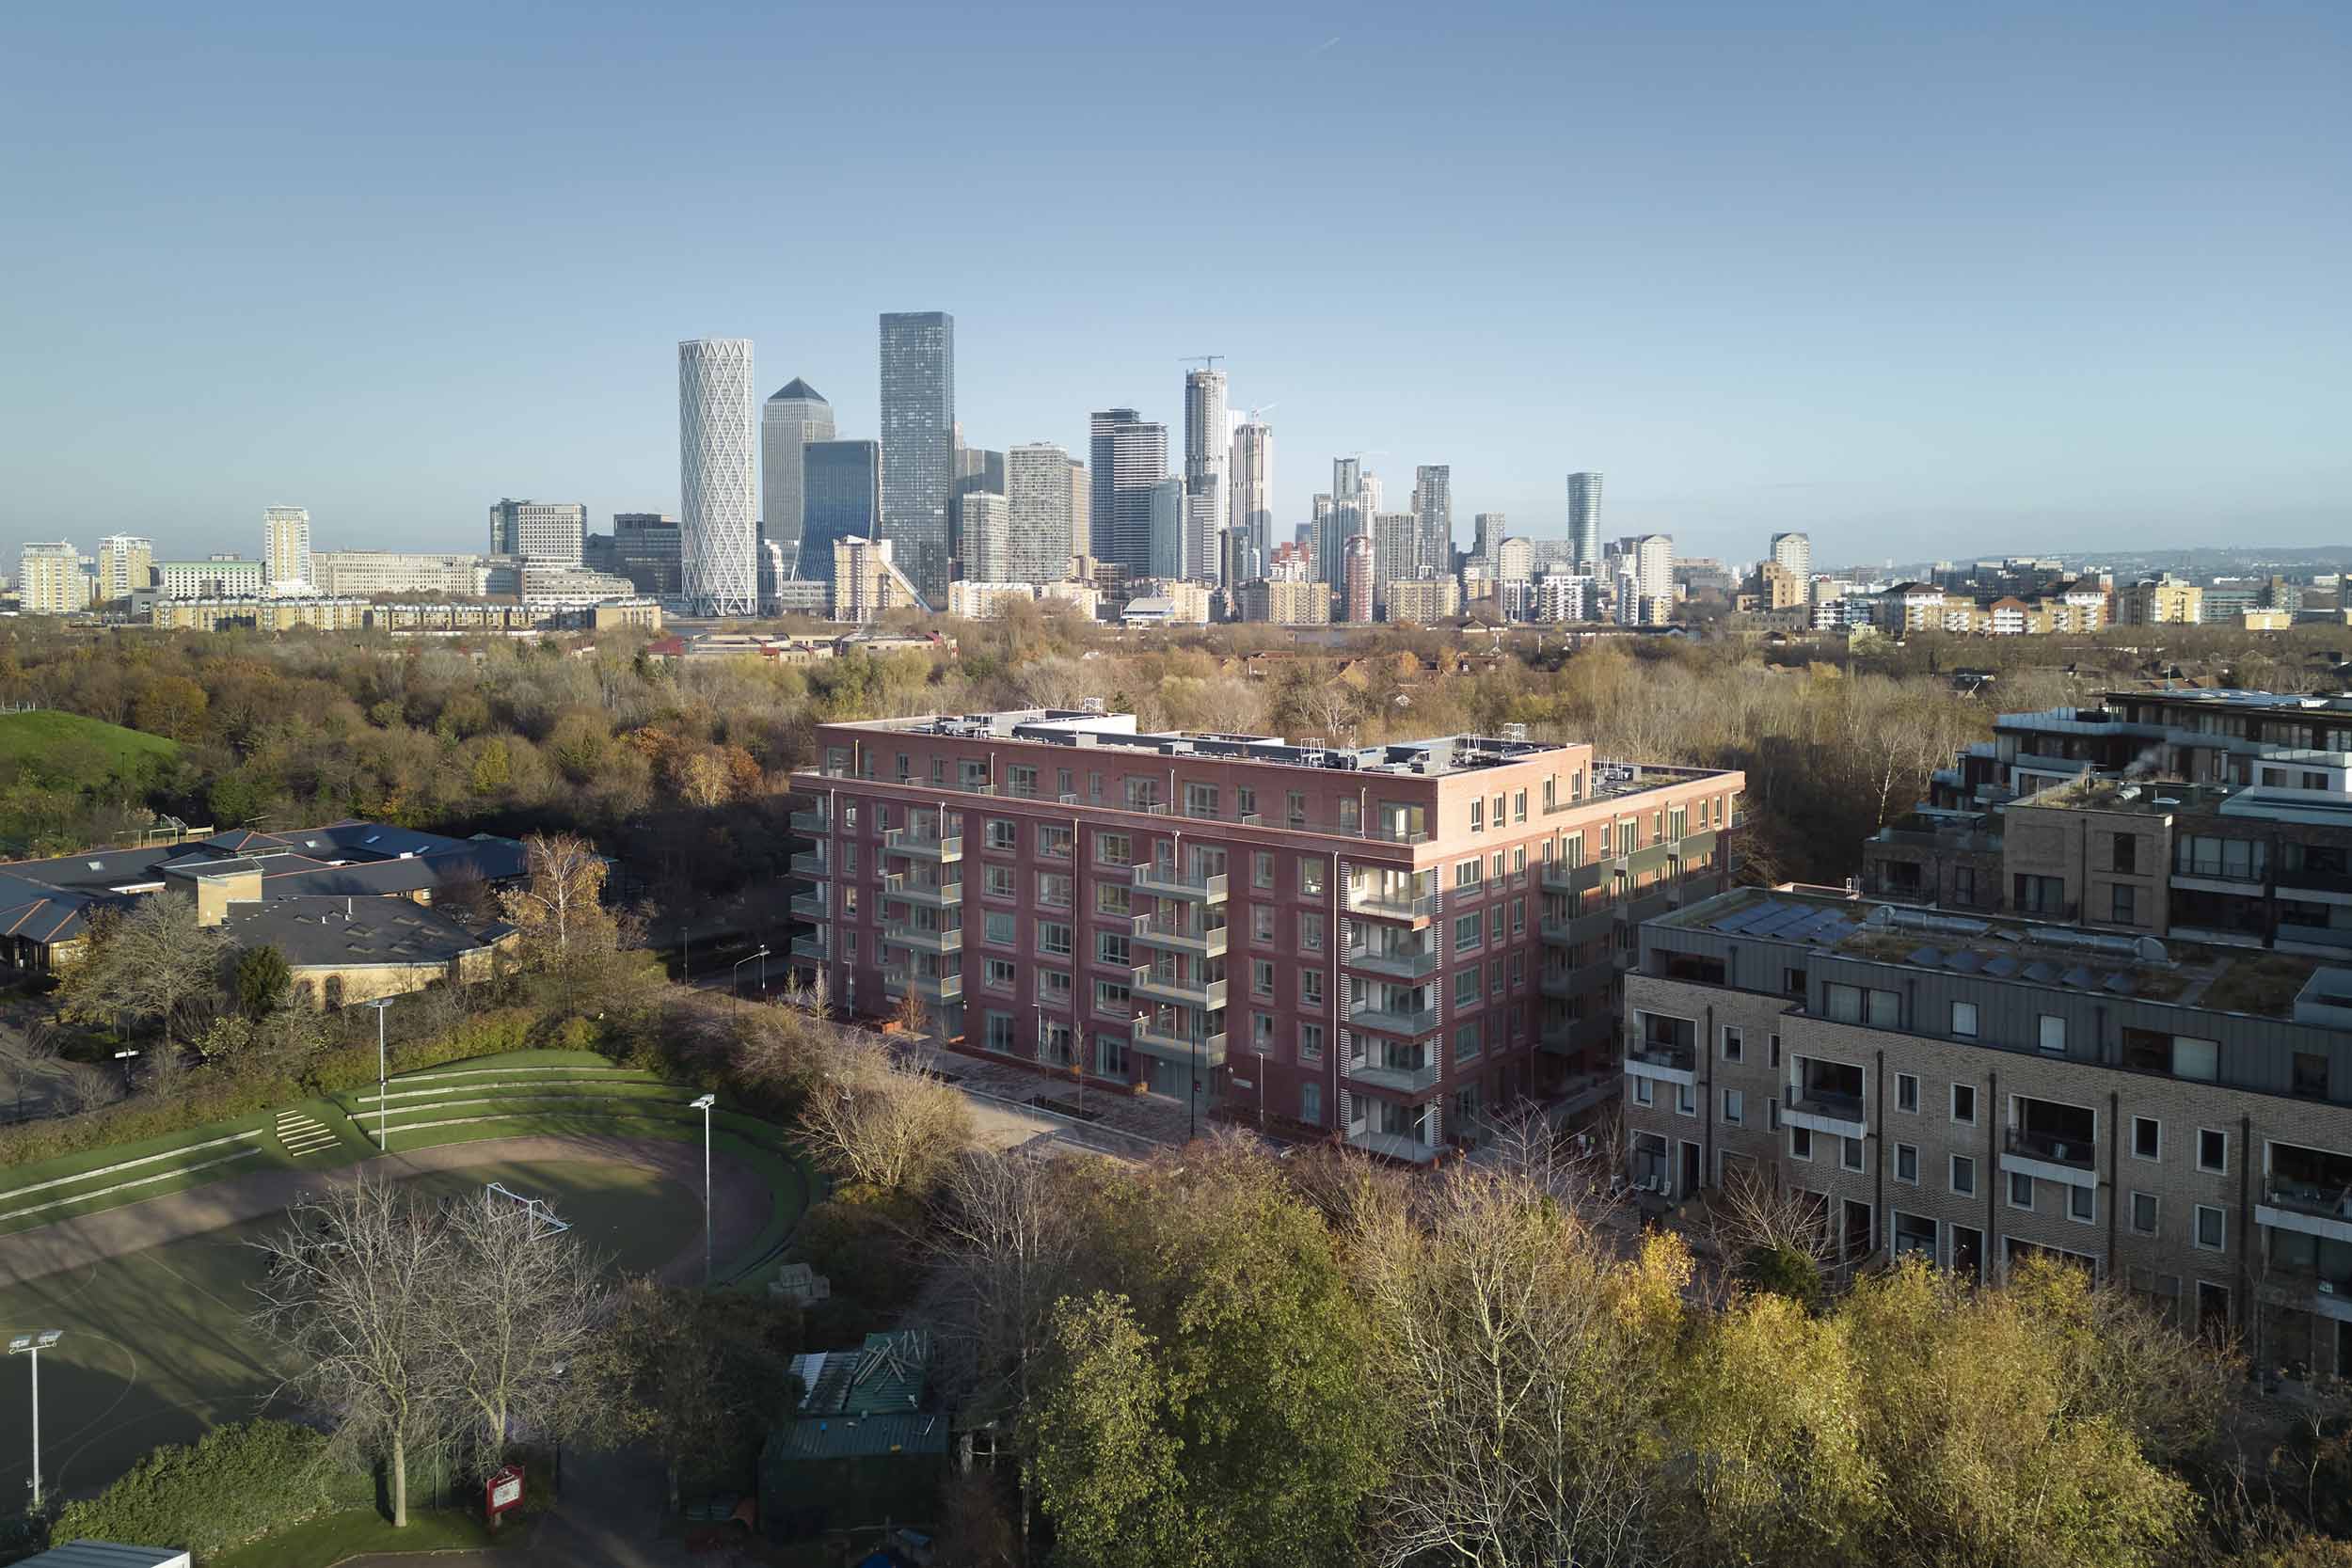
(156, 1350)
(340, 1535)
(46, 740)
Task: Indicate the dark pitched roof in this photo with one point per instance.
(345, 932)
(797, 388)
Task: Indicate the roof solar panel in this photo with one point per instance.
(1966, 963)
(2040, 974)
(1931, 956)
(2081, 978)
(2003, 966)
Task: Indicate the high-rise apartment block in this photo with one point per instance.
(1488, 532)
(1357, 932)
(1395, 549)
(1794, 552)
(2163, 602)
(1585, 521)
(125, 564)
(49, 579)
(1421, 600)
(550, 533)
(1251, 505)
(986, 546)
(841, 498)
(796, 415)
(867, 581)
(1042, 532)
(918, 421)
(1341, 516)
(1130, 456)
(1171, 530)
(1359, 594)
(1208, 447)
(718, 536)
(1433, 507)
(286, 547)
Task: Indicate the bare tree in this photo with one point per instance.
(560, 908)
(875, 1121)
(353, 1296)
(157, 963)
(518, 1303)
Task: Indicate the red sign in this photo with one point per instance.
(504, 1490)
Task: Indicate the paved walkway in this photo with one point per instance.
(739, 1200)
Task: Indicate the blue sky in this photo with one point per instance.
(1926, 280)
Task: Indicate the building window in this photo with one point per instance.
(2213, 1150)
(1519, 806)
(1111, 899)
(1853, 1153)
(1964, 1175)
(1053, 889)
(2144, 1213)
(1478, 816)
(1519, 916)
(1469, 933)
(1000, 973)
(1907, 1163)
(2020, 1190)
(1310, 930)
(1310, 986)
(1965, 1019)
(2082, 1204)
(1311, 1042)
(1310, 877)
(1466, 1044)
(1000, 1032)
(2038, 895)
(1114, 849)
(996, 926)
(1467, 873)
(1645, 1092)
(1686, 1100)
(1262, 869)
(1965, 1105)
(1200, 800)
(1907, 1092)
(1801, 1143)
(1261, 922)
(1003, 834)
(1260, 977)
(1110, 947)
(1294, 804)
(1056, 985)
(2052, 1034)
(2127, 906)
(2211, 1227)
(1735, 1107)
(1051, 842)
(1735, 1046)
(1112, 997)
(1052, 936)
(1465, 986)
(2147, 1138)
(2126, 853)
(1311, 1104)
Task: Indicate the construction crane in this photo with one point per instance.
(1208, 359)
(1254, 415)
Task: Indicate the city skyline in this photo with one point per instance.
(1957, 303)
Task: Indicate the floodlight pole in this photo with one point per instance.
(33, 1344)
(383, 1130)
(704, 1105)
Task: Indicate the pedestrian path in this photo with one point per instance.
(301, 1133)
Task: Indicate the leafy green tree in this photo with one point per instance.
(262, 980)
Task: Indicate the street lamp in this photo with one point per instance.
(383, 1131)
(704, 1105)
(32, 1345)
(124, 1057)
(735, 980)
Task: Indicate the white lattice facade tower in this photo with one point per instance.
(718, 477)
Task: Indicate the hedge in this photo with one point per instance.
(221, 1094)
(235, 1483)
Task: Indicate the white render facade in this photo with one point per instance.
(717, 479)
(286, 545)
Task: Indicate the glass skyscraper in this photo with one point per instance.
(1584, 521)
(918, 428)
(840, 497)
(1130, 457)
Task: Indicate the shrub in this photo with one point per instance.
(233, 1484)
(1783, 1271)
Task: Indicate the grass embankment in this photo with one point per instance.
(56, 745)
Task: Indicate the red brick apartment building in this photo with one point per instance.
(1388, 941)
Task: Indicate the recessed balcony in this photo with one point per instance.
(2069, 1159)
(1663, 1064)
(1380, 903)
(1380, 1074)
(1395, 1020)
(1397, 962)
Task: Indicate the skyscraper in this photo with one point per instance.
(1487, 531)
(125, 563)
(286, 547)
(1038, 502)
(1207, 448)
(918, 421)
(986, 539)
(1171, 531)
(547, 533)
(1130, 457)
(1250, 506)
(840, 499)
(1356, 577)
(717, 529)
(1344, 519)
(49, 579)
(976, 471)
(1081, 510)
(1647, 575)
(1794, 552)
(1433, 509)
(1584, 521)
(1395, 549)
(789, 421)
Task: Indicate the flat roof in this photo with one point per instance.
(1434, 757)
(2025, 952)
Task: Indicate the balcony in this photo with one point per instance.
(1828, 1112)
(1582, 981)
(1588, 1092)
(2310, 880)
(1407, 1080)
(923, 845)
(1575, 1036)
(2069, 1160)
(1149, 931)
(1560, 877)
(1395, 963)
(1392, 1146)
(937, 989)
(1173, 882)
(817, 823)
(940, 894)
(2306, 1209)
(1665, 1064)
(1171, 1043)
(1166, 986)
(811, 906)
(1384, 904)
(899, 933)
(2326, 1286)
(1649, 905)
(1394, 1020)
(1580, 930)
(815, 948)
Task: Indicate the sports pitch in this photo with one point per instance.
(156, 1350)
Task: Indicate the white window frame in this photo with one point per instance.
(2011, 1197)
(2197, 1227)
(1907, 1080)
(2155, 1213)
(1911, 1149)
(2221, 1170)
(2091, 1218)
(1975, 1110)
(2155, 1122)
(1951, 1175)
